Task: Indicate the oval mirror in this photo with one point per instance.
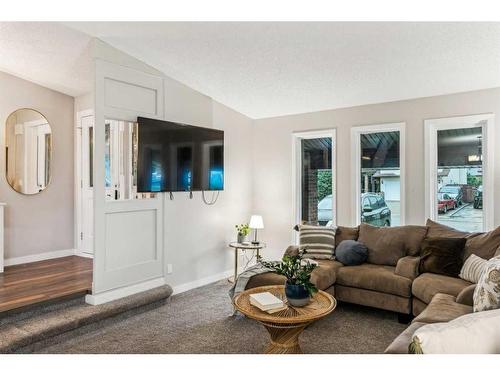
(28, 149)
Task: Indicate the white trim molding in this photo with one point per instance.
(111, 295)
(487, 123)
(297, 171)
(201, 282)
(40, 256)
(356, 132)
(78, 175)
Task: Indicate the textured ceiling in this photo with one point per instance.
(47, 53)
(270, 69)
(273, 69)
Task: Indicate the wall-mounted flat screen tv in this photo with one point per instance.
(178, 157)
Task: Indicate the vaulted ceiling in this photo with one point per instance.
(272, 69)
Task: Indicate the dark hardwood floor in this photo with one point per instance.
(30, 283)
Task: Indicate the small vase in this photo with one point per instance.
(297, 295)
(242, 238)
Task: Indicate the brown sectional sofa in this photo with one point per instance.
(442, 308)
(390, 279)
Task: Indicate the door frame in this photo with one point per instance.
(431, 127)
(356, 132)
(80, 115)
(297, 172)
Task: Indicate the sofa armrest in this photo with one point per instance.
(466, 296)
(408, 267)
(292, 250)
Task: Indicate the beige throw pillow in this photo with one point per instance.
(318, 241)
(473, 269)
(487, 292)
(476, 333)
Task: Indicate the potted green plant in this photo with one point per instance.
(243, 231)
(298, 285)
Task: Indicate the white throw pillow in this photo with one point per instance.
(476, 333)
(473, 269)
(487, 292)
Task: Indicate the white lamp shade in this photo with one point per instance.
(256, 222)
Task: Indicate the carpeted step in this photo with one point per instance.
(43, 324)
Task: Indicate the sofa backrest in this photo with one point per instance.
(484, 245)
(386, 245)
(346, 233)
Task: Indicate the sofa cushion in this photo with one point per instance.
(439, 230)
(351, 253)
(442, 255)
(319, 241)
(346, 233)
(408, 267)
(325, 274)
(483, 245)
(427, 285)
(372, 298)
(387, 245)
(443, 308)
(374, 277)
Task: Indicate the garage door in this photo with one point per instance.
(390, 187)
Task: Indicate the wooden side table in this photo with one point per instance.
(285, 326)
(240, 246)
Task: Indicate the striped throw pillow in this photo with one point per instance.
(319, 241)
(473, 268)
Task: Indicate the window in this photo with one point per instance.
(315, 178)
(378, 162)
(456, 167)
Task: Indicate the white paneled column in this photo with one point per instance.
(128, 235)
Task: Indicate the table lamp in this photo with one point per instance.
(256, 223)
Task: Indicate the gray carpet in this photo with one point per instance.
(200, 321)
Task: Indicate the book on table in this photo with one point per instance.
(266, 301)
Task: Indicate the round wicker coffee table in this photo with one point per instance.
(285, 326)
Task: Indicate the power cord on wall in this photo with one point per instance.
(215, 196)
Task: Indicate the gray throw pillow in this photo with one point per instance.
(351, 253)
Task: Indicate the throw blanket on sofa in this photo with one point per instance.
(244, 277)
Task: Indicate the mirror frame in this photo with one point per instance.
(51, 145)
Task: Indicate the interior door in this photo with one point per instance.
(87, 186)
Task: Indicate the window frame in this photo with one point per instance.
(356, 132)
(432, 126)
(297, 137)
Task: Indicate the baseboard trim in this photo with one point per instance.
(114, 294)
(39, 257)
(201, 282)
(84, 255)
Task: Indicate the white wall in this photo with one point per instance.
(43, 222)
(197, 235)
(84, 102)
(272, 156)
